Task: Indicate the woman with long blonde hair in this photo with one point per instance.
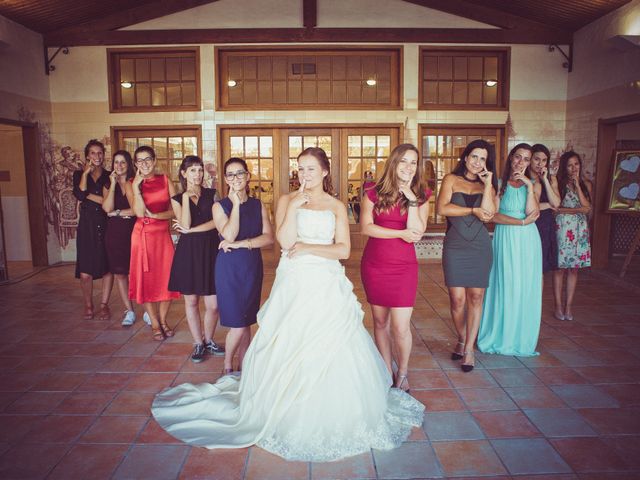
(394, 216)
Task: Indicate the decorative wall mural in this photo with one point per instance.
(58, 162)
(624, 196)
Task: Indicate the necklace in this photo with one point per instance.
(475, 180)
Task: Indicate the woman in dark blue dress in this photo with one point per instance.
(193, 268)
(549, 200)
(244, 227)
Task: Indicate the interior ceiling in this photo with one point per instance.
(47, 16)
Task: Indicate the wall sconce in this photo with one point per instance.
(126, 84)
(371, 82)
(491, 83)
(231, 83)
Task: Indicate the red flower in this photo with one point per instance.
(570, 235)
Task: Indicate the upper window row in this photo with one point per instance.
(270, 78)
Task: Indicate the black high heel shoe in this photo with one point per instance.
(456, 355)
(467, 367)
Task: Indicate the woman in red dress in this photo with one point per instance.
(151, 245)
(394, 216)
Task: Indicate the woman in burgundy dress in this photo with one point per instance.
(151, 245)
(118, 199)
(394, 216)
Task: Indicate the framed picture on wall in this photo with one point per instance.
(624, 185)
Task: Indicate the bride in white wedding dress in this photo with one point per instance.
(313, 385)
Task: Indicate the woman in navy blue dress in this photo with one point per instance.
(244, 227)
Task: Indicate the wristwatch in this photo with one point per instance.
(117, 212)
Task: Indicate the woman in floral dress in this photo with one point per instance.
(572, 229)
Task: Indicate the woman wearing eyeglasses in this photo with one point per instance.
(244, 227)
(151, 245)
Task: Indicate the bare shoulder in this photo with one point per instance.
(336, 205)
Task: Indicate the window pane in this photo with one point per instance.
(266, 169)
(309, 142)
(460, 93)
(142, 70)
(475, 93)
(173, 69)
(384, 146)
(266, 146)
(188, 93)
(130, 144)
(475, 68)
(160, 146)
(355, 171)
(157, 94)
(251, 147)
(254, 168)
(460, 68)
(190, 146)
(445, 92)
(325, 144)
(237, 147)
(369, 146)
(445, 68)
(127, 72)
(295, 146)
(430, 67)
(173, 94)
(490, 94)
(157, 69)
(490, 68)
(188, 69)
(143, 94)
(353, 145)
(145, 142)
(175, 147)
(430, 92)
(128, 96)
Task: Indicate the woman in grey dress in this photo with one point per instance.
(467, 199)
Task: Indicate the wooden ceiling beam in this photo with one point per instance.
(310, 13)
(479, 13)
(304, 35)
(132, 16)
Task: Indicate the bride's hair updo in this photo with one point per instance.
(320, 155)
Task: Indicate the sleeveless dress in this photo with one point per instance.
(572, 230)
(118, 237)
(547, 229)
(389, 261)
(238, 273)
(467, 253)
(91, 254)
(193, 269)
(151, 247)
(512, 308)
(313, 385)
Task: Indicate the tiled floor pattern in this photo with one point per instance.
(75, 395)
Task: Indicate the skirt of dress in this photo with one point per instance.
(313, 385)
(194, 262)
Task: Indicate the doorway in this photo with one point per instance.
(356, 153)
(23, 242)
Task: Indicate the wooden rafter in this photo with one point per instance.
(303, 35)
(310, 13)
(132, 16)
(488, 15)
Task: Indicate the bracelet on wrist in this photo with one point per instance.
(249, 243)
(523, 222)
(412, 203)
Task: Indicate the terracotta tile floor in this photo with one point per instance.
(75, 395)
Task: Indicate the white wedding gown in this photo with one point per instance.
(313, 385)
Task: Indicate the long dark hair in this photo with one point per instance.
(506, 173)
(539, 148)
(563, 176)
(188, 161)
(320, 155)
(461, 167)
(93, 143)
(387, 187)
(241, 162)
(131, 171)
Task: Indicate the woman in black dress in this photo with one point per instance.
(118, 199)
(549, 200)
(88, 187)
(193, 268)
(467, 199)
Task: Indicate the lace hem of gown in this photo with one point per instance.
(403, 414)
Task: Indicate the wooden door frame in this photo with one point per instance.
(600, 241)
(35, 195)
(336, 152)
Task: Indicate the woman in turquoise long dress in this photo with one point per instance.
(512, 309)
